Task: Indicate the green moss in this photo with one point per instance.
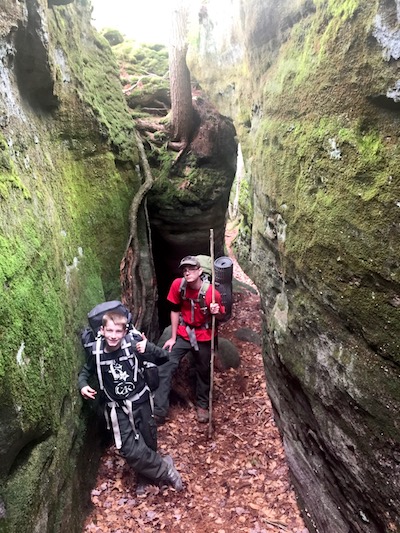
(48, 263)
(58, 257)
(67, 180)
(9, 178)
(246, 201)
(334, 176)
(144, 59)
(313, 41)
(144, 68)
(368, 144)
(322, 151)
(112, 36)
(43, 472)
(26, 488)
(94, 68)
(319, 157)
(344, 9)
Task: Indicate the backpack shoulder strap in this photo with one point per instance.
(202, 295)
(182, 289)
(204, 287)
(128, 348)
(98, 350)
(202, 291)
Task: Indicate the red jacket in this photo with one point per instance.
(200, 319)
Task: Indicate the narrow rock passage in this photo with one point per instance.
(237, 481)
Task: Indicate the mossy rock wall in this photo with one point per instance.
(67, 178)
(317, 116)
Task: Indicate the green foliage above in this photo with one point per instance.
(113, 37)
(142, 58)
(143, 66)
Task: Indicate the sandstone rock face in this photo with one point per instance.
(193, 198)
(69, 171)
(313, 90)
(67, 177)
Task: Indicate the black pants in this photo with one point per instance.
(139, 445)
(202, 360)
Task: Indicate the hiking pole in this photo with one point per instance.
(210, 399)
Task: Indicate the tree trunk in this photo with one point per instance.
(181, 91)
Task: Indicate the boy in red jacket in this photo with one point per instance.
(191, 331)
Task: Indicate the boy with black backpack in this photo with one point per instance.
(118, 357)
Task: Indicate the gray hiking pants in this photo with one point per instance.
(202, 360)
(139, 447)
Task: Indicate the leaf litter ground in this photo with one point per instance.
(235, 481)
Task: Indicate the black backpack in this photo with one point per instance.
(90, 336)
(95, 316)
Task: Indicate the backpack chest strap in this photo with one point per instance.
(182, 322)
(201, 297)
(129, 356)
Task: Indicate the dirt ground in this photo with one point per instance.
(235, 481)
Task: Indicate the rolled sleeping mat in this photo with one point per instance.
(223, 269)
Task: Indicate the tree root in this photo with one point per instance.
(131, 277)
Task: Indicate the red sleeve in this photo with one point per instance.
(174, 293)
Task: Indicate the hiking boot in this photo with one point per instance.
(142, 484)
(141, 488)
(160, 420)
(202, 415)
(173, 478)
